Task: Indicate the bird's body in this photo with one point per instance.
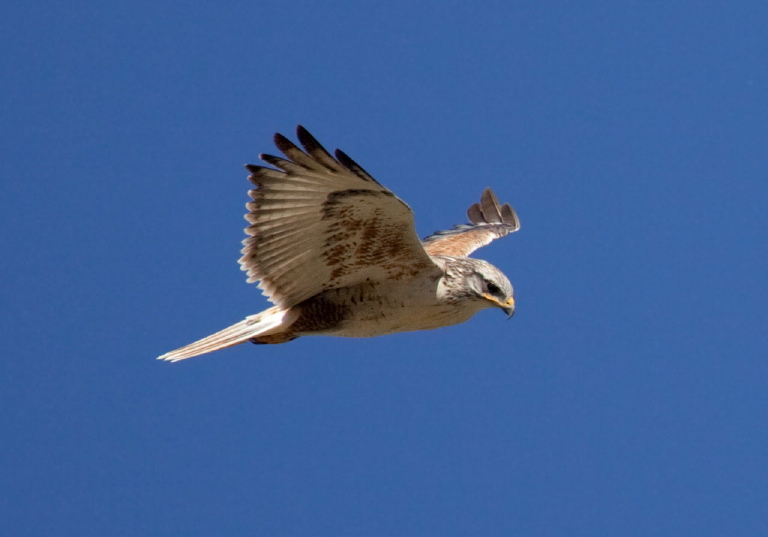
(380, 309)
(338, 255)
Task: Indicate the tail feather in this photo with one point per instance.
(241, 332)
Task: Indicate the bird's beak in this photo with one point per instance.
(508, 306)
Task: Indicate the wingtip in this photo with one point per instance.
(306, 139)
(282, 143)
(509, 216)
(489, 211)
(350, 164)
(489, 204)
(474, 213)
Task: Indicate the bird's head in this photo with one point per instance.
(490, 285)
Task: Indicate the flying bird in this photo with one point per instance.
(338, 255)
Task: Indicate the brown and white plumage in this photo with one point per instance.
(317, 225)
(338, 254)
(489, 221)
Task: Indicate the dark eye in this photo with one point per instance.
(493, 288)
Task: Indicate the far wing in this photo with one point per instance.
(489, 221)
(319, 222)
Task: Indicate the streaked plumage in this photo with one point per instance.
(338, 254)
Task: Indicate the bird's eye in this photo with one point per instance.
(493, 288)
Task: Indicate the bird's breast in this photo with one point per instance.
(376, 310)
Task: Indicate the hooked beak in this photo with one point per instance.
(508, 306)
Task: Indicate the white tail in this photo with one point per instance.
(250, 327)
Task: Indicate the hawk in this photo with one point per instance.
(337, 254)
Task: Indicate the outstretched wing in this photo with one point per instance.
(318, 222)
(489, 221)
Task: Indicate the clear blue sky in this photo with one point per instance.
(626, 397)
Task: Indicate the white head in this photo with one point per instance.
(475, 280)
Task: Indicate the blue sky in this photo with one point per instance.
(626, 397)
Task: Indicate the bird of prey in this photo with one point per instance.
(337, 254)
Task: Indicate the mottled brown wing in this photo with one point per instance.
(319, 222)
(489, 221)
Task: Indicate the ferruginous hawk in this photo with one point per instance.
(338, 255)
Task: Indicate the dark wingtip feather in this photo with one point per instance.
(474, 214)
(272, 159)
(281, 142)
(316, 149)
(309, 142)
(305, 137)
(489, 204)
(353, 166)
(257, 173)
(509, 216)
(345, 160)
